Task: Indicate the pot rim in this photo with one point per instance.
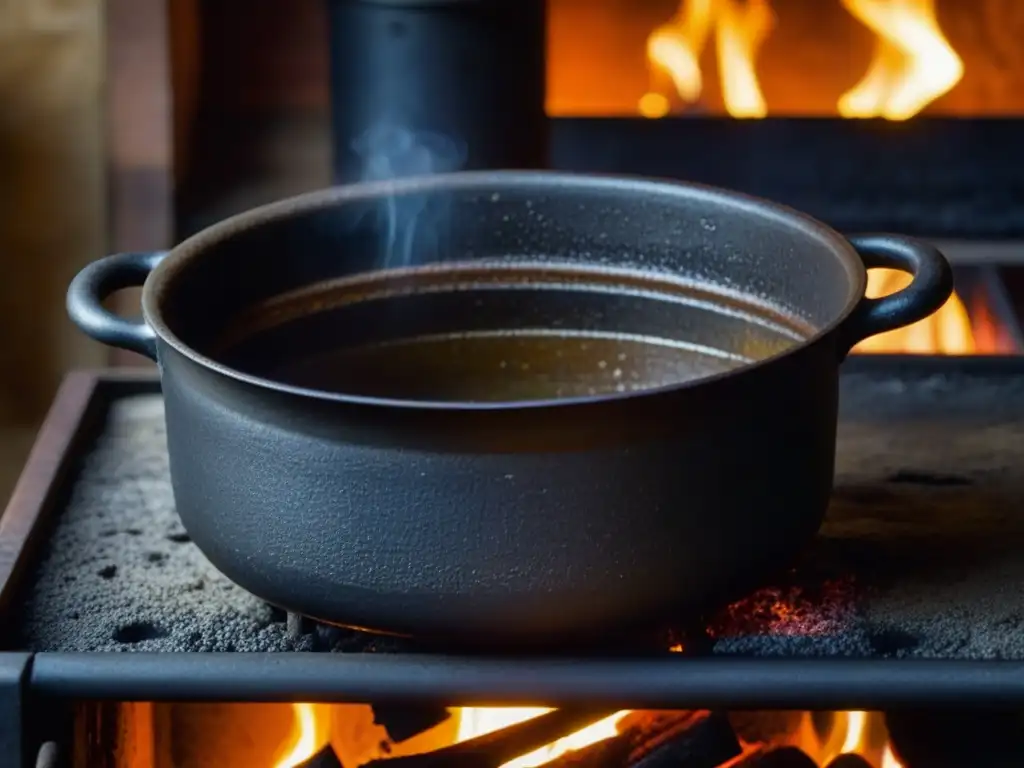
(161, 278)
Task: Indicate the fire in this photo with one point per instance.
(851, 733)
(856, 732)
(476, 721)
(740, 27)
(913, 63)
(946, 332)
(305, 739)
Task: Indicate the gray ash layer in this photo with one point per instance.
(922, 553)
(120, 573)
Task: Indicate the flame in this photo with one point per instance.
(476, 721)
(848, 734)
(913, 63)
(305, 738)
(889, 760)
(946, 332)
(675, 48)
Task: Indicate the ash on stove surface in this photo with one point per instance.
(922, 553)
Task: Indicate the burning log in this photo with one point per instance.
(849, 761)
(765, 727)
(781, 757)
(325, 758)
(951, 739)
(495, 749)
(660, 740)
(403, 723)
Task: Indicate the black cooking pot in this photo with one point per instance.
(569, 405)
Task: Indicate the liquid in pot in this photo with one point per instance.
(496, 367)
(517, 335)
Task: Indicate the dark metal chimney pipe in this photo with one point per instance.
(471, 70)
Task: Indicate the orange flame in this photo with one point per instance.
(947, 332)
(675, 48)
(913, 63)
(476, 721)
(849, 734)
(305, 739)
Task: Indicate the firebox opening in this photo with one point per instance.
(303, 735)
(890, 59)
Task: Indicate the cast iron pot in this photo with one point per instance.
(618, 405)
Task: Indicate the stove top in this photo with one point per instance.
(922, 554)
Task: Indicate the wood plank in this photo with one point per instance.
(33, 495)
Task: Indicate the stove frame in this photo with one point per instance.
(660, 681)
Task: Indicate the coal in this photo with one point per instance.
(706, 741)
(660, 740)
(499, 747)
(957, 738)
(780, 757)
(325, 758)
(765, 726)
(404, 722)
(849, 761)
(920, 557)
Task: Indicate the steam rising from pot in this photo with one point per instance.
(411, 225)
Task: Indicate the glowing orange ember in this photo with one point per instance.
(476, 721)
(913, 63)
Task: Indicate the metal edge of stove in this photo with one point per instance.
(14, 673)
(669, 681)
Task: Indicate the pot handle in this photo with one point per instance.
(928, 291)
(99, 280)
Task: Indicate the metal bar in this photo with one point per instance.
(13, 675)
(669, 682)
(1002, 305)
(799, 162)
(935, 365)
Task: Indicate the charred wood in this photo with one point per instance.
(495, 749)
(849, 761)
(660, 740)
(403, 723)
(953, 739)
(325, 758)
(765, 726)
(779, 757)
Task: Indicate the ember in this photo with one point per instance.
(794, 610)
